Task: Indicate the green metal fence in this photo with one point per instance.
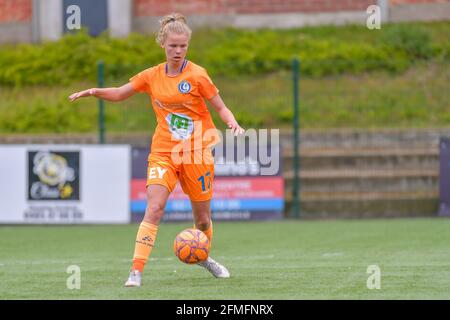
(296, 146)
(325, 111)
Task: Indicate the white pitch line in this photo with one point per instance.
(42, 262)
(332, 254)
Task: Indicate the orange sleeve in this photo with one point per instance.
(206, 87)
(140, 82)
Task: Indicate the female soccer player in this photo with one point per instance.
(181, 144)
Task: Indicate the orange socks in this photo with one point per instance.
(144, 244)
(146, 238)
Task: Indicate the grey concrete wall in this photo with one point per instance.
(278, 21)
(50, 19)
(16, 32)
(119, 17)
(47, 21)
(419, 12)
(389, 13)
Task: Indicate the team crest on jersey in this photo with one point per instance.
(184, 86)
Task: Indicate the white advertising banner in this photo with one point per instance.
(65, 184)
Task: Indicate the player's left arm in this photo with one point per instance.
(226, 115)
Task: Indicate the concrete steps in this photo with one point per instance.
(377, 180)
(372, 193)
(367, 138)
(366, 205)
(365, 158)
(354, 174)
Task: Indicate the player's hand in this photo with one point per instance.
(84, 93)
(235, 128)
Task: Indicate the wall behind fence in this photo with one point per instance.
(16, 21)
(36, 20)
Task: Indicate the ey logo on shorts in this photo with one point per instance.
(184, 86)
(156, 172)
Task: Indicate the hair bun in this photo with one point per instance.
(179, 25)
(172, 18)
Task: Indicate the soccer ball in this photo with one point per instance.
(191, 246)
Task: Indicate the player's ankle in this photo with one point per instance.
(139, 266)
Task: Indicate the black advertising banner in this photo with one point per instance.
(444, 177)
(53, 175)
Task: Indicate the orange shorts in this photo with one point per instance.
(194, 169)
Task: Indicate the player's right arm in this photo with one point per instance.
(109, 94)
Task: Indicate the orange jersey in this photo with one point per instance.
(183, 119)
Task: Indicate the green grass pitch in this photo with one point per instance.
(289, 259)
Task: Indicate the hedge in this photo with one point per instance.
(322, 50)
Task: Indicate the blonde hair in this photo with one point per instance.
(173, 22)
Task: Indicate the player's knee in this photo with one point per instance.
(154, 209)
